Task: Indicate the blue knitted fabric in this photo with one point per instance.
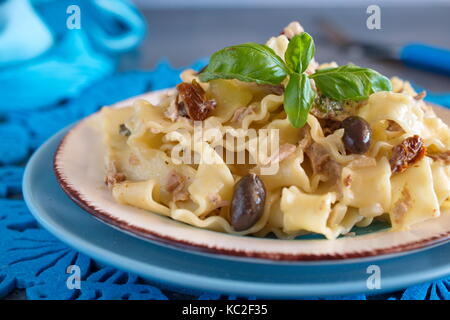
(32, 259)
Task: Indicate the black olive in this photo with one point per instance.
(247, 205)
(357, 135)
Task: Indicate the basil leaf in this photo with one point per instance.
(250, 62)
(299, 52)
(350, 82)
(298, 98)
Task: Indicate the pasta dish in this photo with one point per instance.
(266, 140)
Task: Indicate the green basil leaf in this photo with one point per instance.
(250, 62)
(298, 98)
(350, 82)
(299, 52)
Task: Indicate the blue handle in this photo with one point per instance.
(426, 57)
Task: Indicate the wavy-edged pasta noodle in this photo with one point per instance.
(299, 199)
(333, 142)
(111, 120)
(365, 222)
(446, 205)
(279, 45)
(290, 173)
(436, 133)
(229, 96)
(136, 156)
(268, 104)
(413, 196)
(372, 199)
(155, 164)
(286, 132)
(275, 220)
(220, 222)
(149, 118)
(441, 181)
(315, 213)
(397, 107)
(212, 183)
(342, 219)
(143, 194)
(302, 211)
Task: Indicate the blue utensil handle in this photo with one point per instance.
(426, 57)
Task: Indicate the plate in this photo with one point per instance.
(81, 151)
(231, 275)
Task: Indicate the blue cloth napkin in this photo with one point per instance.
(52, 49)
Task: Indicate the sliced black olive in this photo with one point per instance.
(247, 204)
(357, 135)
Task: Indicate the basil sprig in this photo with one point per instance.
(350, 82)
(298, 98)
(299, 52)
(299, 95)
(252, 62)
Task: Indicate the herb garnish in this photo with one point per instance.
(252, 62)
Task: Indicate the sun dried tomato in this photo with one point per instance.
(405, 154)
(194, 100)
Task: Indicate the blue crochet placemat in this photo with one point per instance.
(33, 260)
